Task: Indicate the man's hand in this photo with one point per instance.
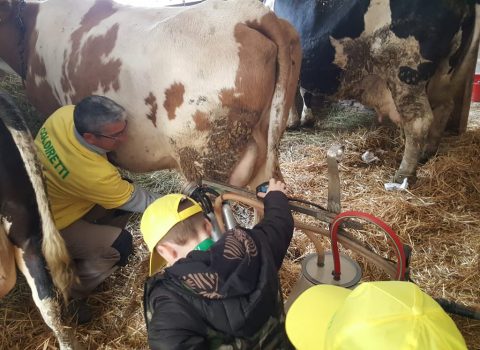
(273, 185)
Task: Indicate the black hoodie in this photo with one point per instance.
(228, 296)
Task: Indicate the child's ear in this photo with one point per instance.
(167, 251)
(207, 225)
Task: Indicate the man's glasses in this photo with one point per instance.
(115, 135)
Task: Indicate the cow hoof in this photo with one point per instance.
(426, 156)
(399, 178)
(79, 311)
(309, 123)
(293, 126)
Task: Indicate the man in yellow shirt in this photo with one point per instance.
(87, 192)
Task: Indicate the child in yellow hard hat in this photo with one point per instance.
(215, 295)
(386, 315)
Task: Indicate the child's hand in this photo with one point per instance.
(273, 185)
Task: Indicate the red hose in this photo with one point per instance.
(397, 243)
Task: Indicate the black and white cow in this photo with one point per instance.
(28, 237)
(411, 60)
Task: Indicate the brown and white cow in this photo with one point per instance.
(208, 87)
(28, 238)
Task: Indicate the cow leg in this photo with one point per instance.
(8, 273)
(293, 121)
(441, 114)
(457, 124)
(303, 101)
(31, 263)
(419, 119)
(376, 93)
(307, 119)
(449, 96)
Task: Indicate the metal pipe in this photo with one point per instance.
(229, 219)
(321, 214)
(334, 154)
(216, 231)
(256, 204)
(343, 237)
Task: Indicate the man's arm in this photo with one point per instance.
(277, 225)
(139, 200)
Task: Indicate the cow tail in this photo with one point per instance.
(53, 245)
(289, 56)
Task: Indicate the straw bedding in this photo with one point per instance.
(438, 216)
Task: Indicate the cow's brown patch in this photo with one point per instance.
(87, 70)
(173, 99)
(201, 121)
(244, 104)
(41, 94)
(84, 70)
(151, 101)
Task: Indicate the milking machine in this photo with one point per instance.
(321, 267)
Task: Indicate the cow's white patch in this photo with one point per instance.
(377, 16)
(49, 308)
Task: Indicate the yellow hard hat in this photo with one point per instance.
(389, 315)
(158, 219)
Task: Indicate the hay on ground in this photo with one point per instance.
(438, 217)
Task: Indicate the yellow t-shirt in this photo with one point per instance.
(77, 177)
